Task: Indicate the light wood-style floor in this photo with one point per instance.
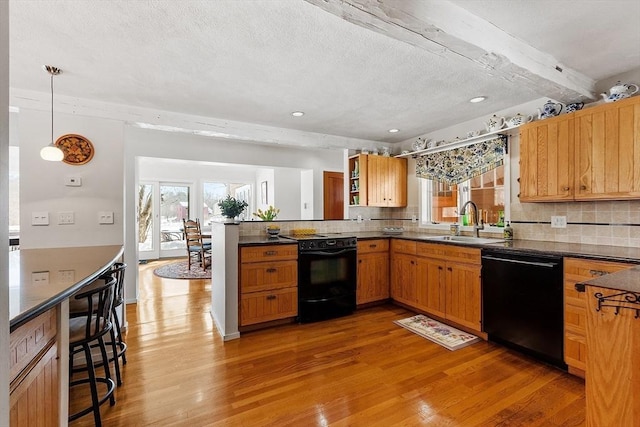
(360, 370)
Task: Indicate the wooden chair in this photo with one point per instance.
(196, 248)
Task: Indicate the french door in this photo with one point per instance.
(161, 208)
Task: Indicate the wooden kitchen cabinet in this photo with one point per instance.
(386, 181)
(33, 365)
(403, 271)
(373, 271)
(358, 180)
(268, 283)
(546, 160)
(578, 270)
(441, 280)
(592, 154)
(607, 143)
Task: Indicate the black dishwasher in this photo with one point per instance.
(522, 297)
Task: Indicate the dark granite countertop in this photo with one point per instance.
(601, 252)
(39, 279)
(264, 240)
(624, 280)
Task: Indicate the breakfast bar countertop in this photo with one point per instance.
(41, 278)
(624, 280)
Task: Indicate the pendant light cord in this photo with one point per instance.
(51, 109)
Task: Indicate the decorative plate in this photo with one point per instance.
(77, 149)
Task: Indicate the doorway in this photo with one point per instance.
(161, 208)
(333, 195)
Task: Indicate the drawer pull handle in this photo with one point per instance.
(271, 297)
(565, 188)
(271, 270)
(597, 273)
(373, 246)
(270, 253)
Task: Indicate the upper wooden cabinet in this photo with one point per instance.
(546, 160)
(377, 181)
(592, 154)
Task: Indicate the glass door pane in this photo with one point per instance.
(145, 218)
(174, 207)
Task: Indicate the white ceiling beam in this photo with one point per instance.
(447, 30)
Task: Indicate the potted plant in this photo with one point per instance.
(232, 207)
(269, 215)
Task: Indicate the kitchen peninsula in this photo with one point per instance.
(613, 338)
(40, 283)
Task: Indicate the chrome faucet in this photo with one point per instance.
(477, 224)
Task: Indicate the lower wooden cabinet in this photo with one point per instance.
(442, 280)
(575, 308)
(33, 360)
(268, 283)
(373, 271)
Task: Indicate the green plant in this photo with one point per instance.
(232, 207)
(268, 214)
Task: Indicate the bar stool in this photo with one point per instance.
(87, 329)
(118, 346)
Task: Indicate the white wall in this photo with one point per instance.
(42, 186)
(4, 212)
(306, 194)
(287, 193)
(264, 176)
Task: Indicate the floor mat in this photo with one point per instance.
(445, 335)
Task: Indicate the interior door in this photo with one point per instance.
(161, 209)
(333, 195)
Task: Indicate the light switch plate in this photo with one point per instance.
(558, 222)
(105, 217)
(40, 218)
(73, 181)
(40, 278)
(66, 276)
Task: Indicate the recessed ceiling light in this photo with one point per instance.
(297, 113)
(394, 130)
(478, 99)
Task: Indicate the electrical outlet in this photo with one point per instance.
(66, 276)
(558, 222)
(66, 218)
(39, 218)
(40, 278)
(105, 217)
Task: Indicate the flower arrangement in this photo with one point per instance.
(232, 207)
(268, 214)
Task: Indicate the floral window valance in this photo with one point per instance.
(461, 164)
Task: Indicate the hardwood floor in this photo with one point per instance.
(360, 370)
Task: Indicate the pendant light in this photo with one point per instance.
(51, 152)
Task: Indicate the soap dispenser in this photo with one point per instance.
(508, 232)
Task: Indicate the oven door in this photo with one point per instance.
(326, 283)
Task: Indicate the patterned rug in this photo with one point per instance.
(180, 270)
(445, 335)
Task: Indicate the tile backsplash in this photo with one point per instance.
(611, 223)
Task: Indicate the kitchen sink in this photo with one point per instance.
(465, 239)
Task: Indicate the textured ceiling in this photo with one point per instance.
(257, 61)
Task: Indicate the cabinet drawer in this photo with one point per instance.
(29, 339)
(262, 276)
(451, 253)
(403, 246)
(578, 270)
(575, 319)
(368, 246)
(268, 253)
(261, 307)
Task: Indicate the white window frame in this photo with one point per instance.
(425, 200)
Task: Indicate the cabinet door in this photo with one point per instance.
(373, 277)
(431, 286)
(403, 278)
(396, 192)
(463, 298)
(546, 160)
(607, 152)
(377, 171)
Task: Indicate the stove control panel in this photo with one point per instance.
(324, 244)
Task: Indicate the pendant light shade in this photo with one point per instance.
(51, 152)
